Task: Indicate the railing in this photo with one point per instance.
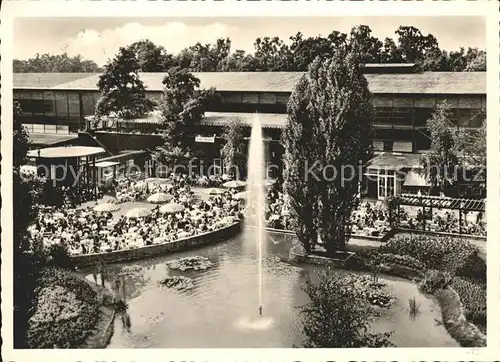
(46, 128)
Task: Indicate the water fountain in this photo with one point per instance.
(256, 202)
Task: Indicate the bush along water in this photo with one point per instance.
(452, 270)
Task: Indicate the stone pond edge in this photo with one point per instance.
(455, 322)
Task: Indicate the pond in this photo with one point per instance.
(221, 310)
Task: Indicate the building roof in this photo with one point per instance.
(66, 152)
(276, 82)
(48, 139)
(45, 80)
(394, 161)
(267, 120)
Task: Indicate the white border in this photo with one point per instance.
(56, 8)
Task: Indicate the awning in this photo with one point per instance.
(104, 164)
(49, 139)
(393, 161)
(415, 179)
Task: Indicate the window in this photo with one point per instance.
(36, 106)
(388, 146)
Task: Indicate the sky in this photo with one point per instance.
(98, 39)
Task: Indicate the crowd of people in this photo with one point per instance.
(84, 231)
(447, 221)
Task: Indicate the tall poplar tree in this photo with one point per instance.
(328, 137)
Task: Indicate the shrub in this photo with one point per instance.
(473, 267)
(434, 280)
(443, 253)
(66, 311)
(473, 297)
(338, 314)
(403, 260)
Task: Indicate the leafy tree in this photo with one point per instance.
(205, 57)
(233, 149)
(304, 51)
(413, 45)
(476, 60)
(182, 107)
(150, 57)
(27, 264)
(329, 132)
(271, 54)
(338, 315)
(367, 46)
(122, 92)
(21, 141)
(440, 163)
(48, 63)
(390, 52)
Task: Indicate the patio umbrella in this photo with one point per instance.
(216, 191)
(106, 207)
(171, 208)
(241, 195)
(159, 198)
(138, 212)
(234, 184)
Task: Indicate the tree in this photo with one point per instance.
(476, 60)
(27, 264)
(413, 45)
(150, 57)
(367, 46)
(440, 163)
(338, 315)
(122, 92)
(182, 107)
(21, 141)
(48, 63)
(329, 130)
(233, 149)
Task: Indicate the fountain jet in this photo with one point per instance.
(256, 193)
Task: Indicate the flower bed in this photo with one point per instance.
(178, 282)
(190, 263)
(473, 297)
(443, 253)
(66, 311)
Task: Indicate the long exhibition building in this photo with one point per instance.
(56, 108)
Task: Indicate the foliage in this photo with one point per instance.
(391, 206)
(190, 263)
(61, 63)
(66, 311)
(182, 107)
(442, 253)
(272, 53)
(440, 163)
(338, 315)
(435, 280)
(150, 57)
(21, 141)
(330, 116)
(473, 297)
(414, 306)
(122, 92)
(178, 282)
(233, 151)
